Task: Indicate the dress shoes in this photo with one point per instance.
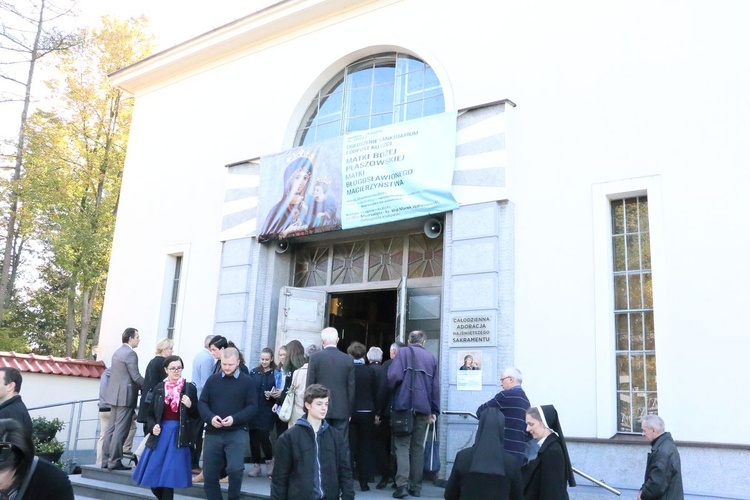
(401, 492)
(382, 484)
(120, 467)
(415, 493)
(364, 486)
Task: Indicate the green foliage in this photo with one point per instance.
(46, 425)
(73, 161)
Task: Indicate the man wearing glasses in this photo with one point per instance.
(513, 403)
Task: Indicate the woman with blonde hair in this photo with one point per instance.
(154, 374)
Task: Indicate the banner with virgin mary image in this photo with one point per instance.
(360, 179)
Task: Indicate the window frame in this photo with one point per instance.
(340, 83)
(605, 367)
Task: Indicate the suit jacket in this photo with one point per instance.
(335, 370)
(125, 380)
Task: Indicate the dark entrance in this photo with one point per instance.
(366, 317)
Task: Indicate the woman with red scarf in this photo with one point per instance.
(165, 464)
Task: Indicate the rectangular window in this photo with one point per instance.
(633, 313)
(175, 295)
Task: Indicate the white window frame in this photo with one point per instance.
(170, 257)
(602, 196)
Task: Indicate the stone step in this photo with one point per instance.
(95, 482)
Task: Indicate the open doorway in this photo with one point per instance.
(366, 317)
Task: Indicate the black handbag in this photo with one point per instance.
(402, 421)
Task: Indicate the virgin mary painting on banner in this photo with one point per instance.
(311, 188)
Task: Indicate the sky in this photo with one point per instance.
(175, 21)
(170, 21)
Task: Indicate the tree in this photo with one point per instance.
(74, 159)
(23, 42)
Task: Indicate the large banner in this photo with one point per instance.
(361, 179)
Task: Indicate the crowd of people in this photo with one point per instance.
(351, 416)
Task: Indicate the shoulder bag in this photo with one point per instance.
(402, 421)
(285, 413)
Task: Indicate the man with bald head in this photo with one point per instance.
(335, 370)
(227, 403)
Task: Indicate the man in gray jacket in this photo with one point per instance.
(663, 478)
(122, 395)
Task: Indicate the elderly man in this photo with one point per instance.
(413, 376)
(513, 403)
(334, 370)
(121, 394)
(663, 478)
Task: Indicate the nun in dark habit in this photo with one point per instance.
(547, 476)
(486, 470)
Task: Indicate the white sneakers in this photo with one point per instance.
(254, 471)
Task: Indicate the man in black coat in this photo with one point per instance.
(663, 478)
(11, 404)
(334, 370)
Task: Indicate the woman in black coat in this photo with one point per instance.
(486, 470)
(362, 423)
(45, 482)
(153, 375)
(165, 464)
(546, 477)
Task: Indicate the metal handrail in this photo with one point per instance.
(76, 411)
(601, 484)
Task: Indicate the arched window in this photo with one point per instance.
(372, 92)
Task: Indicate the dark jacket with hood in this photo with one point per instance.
(663, 478)
(311, 465)
(155, 410)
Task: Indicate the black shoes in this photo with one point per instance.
(382, 484)
(120, 467)
(364, 486)
(415, 493)
(400, 492)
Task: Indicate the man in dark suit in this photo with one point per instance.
(122, 395)
(11, 404)
(334, 370)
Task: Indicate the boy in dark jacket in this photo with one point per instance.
(312, 458)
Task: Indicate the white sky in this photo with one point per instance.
(171, 21)
(175, 21)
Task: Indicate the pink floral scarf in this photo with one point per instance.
(172, 393)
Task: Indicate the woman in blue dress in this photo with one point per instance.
(165, 464)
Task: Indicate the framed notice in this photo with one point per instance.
(473, 329)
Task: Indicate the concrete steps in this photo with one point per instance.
(101, 484)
